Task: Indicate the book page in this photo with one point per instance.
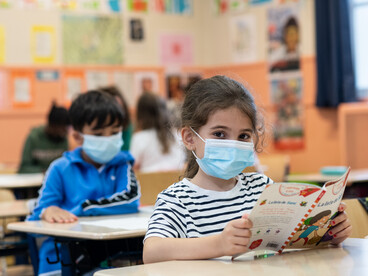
(278, 210)
(313, 231)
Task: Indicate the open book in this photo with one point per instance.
(295, 215)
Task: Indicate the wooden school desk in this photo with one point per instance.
(98, 228)
(350, 259)
(13, 181)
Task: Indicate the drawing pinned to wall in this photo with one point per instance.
(179, 7)
(2, 44)
(286, 97)
(43, 44)
(136, 29)
(283, 38)
(92, 40)
(137, 5)
(176, 49)
(243, 37)
(220, 7)
(21, 82)
(146, 82)
(238, 6)
(6, 4)
(97, 79)
(175, 87)
(74, 84)
(114, 5)
(256, 2)
(125, 82)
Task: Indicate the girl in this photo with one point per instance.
(154, 146)
(205, 215)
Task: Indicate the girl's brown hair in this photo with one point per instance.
(152, 113)
(209, 95)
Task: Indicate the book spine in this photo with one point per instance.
(302, 221)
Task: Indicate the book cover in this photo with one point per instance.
(295, 215)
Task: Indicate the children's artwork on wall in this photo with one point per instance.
(43, 44)
(136, 29)
(284, 38)
(175, 87)
(243, 37)
(179, 7)
(220, 7)
(176, 49)
(96, 79)
(238, 6)
(92, 40)
(2, 44)
(125, 82)
(256, 2)
(73, 84)
(137, 5)
(286, 97)
(146, 82)
(21, 85)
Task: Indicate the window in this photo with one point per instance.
(359, 23)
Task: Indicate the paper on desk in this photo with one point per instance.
(120, 223)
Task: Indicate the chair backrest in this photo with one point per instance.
(154, 183)
(358, 217)
(275, 166)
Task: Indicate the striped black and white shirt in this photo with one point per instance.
(185, 210)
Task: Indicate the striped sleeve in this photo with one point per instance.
(123, 201)
(169, 218)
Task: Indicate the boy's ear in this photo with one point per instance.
(77, 137)
(187, 136)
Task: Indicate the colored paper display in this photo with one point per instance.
(137, 5)
(43, 45)
(176, 49)
(183, 7)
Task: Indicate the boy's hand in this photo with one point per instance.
(55, 214)
(341, 227)
(235, 237)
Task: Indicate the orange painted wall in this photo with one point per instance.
(321, 125)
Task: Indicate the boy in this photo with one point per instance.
(44, 144)
(94, 179)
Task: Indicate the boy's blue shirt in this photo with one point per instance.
(78, 187)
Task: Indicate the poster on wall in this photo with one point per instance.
(286, 98)
(124, 81)
(220, 7)
(43, 44)
(146, 82)
(92, 40)
(136, 29)
(21, 87)
(97, 79)
(284, 38)
(176, 49)
(179, 7)
(74, 84)
(243, 38)
(2, 44)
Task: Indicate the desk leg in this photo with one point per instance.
(67, 266)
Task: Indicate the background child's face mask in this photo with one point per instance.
(225, 158)
(102, 149)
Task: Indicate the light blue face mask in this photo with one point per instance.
(102, 149)
(225, 158)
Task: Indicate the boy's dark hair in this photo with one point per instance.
(58, 116)
(115, 92)
(95, 105)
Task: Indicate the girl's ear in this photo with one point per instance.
(78, 137)
(187, 136)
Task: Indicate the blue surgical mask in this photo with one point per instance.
(102, 149)
(225, 158)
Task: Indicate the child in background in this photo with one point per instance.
(127, 124)
(94, 179)
(206, 214)
(155, 146)
(46, 143)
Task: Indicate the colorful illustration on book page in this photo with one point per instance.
(279, 209)
(313, 231)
